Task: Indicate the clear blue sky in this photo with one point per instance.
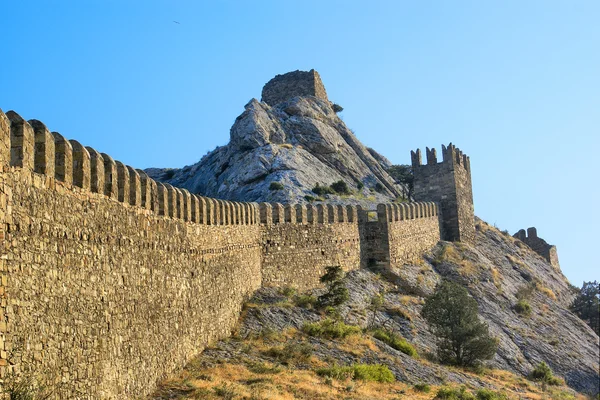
(515, 84)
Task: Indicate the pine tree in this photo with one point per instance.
(587, 305)
(337, 293)
(462, 339)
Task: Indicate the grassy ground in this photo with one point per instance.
(281, 366)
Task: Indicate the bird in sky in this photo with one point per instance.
(177, 22)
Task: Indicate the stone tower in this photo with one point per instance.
(539, 245)
(449, 184)
(296, 83)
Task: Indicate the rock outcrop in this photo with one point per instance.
(294, 138)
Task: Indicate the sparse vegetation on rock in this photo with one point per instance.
(330, 329)
(276, 186)
(340, 187)
(395, 341)
(523, 307)
(322, 190)
(543, 373)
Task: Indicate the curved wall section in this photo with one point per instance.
(110, 280)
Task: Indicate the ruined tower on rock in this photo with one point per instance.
(292, 84)
(447, 183)
(539, 245)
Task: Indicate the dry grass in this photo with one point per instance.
(236, 381)
(400, 312)
(357, 345)
(451, 254)
(546, 291)
(482, 227)
(517, 262)
(406, 300)
(496, 277)
(241, 378)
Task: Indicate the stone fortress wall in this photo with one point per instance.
(109, 280)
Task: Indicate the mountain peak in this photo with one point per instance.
(283, 147)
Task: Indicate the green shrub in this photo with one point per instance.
(543, 373)
(309, 198)
(336, 372)
(337, 108)
(373, 372)
(378, 187)
(287, 291)
(395, 341)
(291, 353)
(360, 185)
(422, 387)
(322, 190)
(487, 394)
(275, 186)
(168, 174)
(340, 187)
(331, 329)
(362, 372)
(523, 307)
(454, 394)
(305, 301)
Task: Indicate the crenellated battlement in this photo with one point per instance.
(31, 146)
(406, 211)
(539, 245)
(451, 155)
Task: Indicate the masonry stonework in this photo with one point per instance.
(297, 83)
(449, 184)
(297, 254)
(400, 234)
(109, 281)
(104, 297)
(539, 245)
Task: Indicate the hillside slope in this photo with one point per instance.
(297, 142)
(271, 357)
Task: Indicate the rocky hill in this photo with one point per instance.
(280, 148)
(274, 355)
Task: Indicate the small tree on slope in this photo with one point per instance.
(337, 293)
(587, 305)
(462, 339)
